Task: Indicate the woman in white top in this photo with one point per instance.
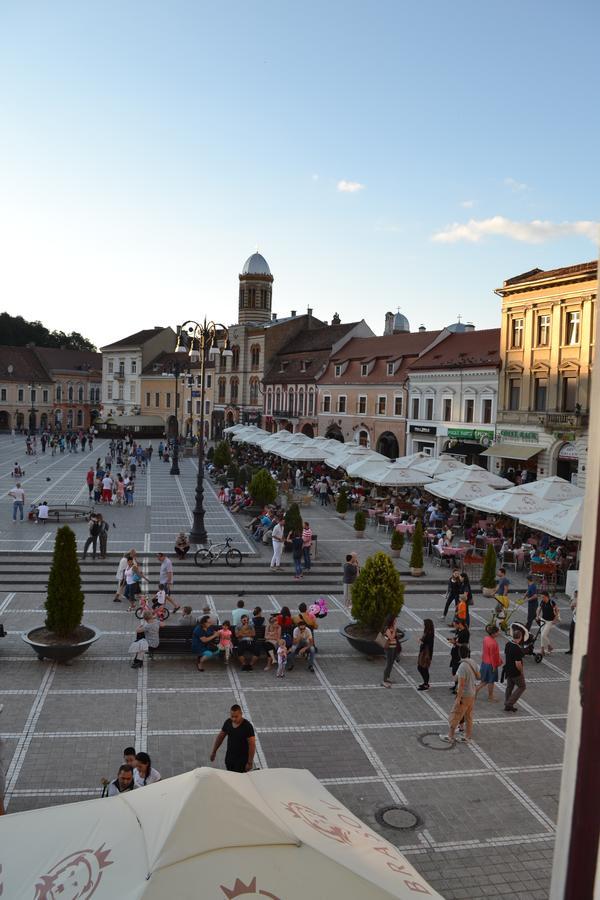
(120, 576)
(144, 773)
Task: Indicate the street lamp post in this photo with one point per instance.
(200, 341)
(177, 368)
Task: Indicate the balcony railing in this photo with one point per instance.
(285, 414)
(548, 420)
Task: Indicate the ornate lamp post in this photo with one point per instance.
(177, 368)
(199, 341)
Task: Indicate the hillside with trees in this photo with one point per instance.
(15, 331)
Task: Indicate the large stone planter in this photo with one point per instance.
(359, 534)
(60, 652)
(488, 592)
(416, 573)
(364, 645)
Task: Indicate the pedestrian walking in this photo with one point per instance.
(531, 595)
(241, 741)
(514, 670)
(490, 662)
(307, 539)
(572, 625)
(103, 536)
(350, 574)
(166, 578)
(547, 615)
(277, 535)
(467, 677)
(295, 539)
(453, 591)
(94, 534)
(120, 576)
(18, 495)
(89, 480)
(391, 648)
(425, 653)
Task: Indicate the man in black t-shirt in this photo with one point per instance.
(241, 742)
(514, 671)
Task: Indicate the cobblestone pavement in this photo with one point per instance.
(486, 812)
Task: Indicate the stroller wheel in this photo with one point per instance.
(538, 657)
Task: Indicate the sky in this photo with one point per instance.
(380, 155)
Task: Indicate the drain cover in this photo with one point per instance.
(399, 817)
(431, 740)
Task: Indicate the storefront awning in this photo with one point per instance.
(512, 451)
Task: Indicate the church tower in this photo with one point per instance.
(255, 291)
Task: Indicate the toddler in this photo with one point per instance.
(225, 644)
(160, 598)
(281, 658)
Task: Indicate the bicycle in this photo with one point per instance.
(205, 556)
(160, 609)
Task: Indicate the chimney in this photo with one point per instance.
(422, 328)
(309, 311)
(273, 317)
(469, 327)
(293, 314)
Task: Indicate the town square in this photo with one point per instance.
(299, 581)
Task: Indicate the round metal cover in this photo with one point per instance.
(399, 817)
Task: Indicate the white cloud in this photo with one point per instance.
(467, 204)
(535, 232)
(350, 187)
(315, 177)
(516, 186)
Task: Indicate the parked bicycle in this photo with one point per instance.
(159, 608)
(205, 556)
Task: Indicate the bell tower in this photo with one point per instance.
(255, 291)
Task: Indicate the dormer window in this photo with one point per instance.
(364, 369)
(303, 365)
(338, 371)
(390, 368)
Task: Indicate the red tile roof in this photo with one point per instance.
(137, 339)
(590, 268)
(462, 350)
(69, 360)
(26, 366)
(389, 346)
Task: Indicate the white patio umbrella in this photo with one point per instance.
(246, 433)
(275, 440)
(233, 429)
(510, 503)
(394, 475)
(439, 466)
(275, 833)
(476, 474)
(561, 520)
(460, 491)
(352, 453)
(302, 452)
(552, 488)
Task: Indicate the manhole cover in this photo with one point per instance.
(432, 741)
(399, 817)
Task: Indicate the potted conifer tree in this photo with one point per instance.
(488, 576)
(292, 523)
(360, 523)
(376, 594)
(341, 506)
(416, 556)
(263, 488)
(396, 543)
(63, 637)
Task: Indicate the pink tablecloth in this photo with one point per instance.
(404, 528)
(454, 551)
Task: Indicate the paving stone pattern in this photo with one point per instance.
(486, 812)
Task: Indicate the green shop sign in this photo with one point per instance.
(470, 434)
(530, 437)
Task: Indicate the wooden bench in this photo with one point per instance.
(175, 639)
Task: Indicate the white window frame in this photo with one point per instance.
(109, 391)
(134, 366)
(358, 401)
(326, 403)
(111, 366)
(576, 314)
(547, 327)
(364, 369)
(381, 397)
(390, 368)
(482, 418)
(514, 331)
(426, 400)
(337, 370)
(472, 419)
(415, 399)
(401, 399)
(443, 417)
(343, 397)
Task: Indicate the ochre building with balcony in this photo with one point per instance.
(546, 347)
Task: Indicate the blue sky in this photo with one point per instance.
(378, 154)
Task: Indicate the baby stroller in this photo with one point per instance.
(529, 644)
(503, 613)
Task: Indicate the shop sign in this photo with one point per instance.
(470, 434)
(530, 437)
(568, 451)
(423, 429)
(564, 435)
(195, 393)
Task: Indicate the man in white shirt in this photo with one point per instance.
(166, 578)
(18, 495)
(277, 535)
(107, 486)
(298, 479)
(42, 513)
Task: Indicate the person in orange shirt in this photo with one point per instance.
(491, 661)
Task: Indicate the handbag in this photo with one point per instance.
(424, 659)
(381, 640)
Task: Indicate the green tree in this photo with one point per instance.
(397, 541)
(360, 523)
(263, 488)
(64, 602)
(342, 502)
(222, 455)
(293, 519)
(488, 576)
(416, 556)
(377, 592)
(17, 332)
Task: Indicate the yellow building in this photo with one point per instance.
(546, 346)
(177, 402)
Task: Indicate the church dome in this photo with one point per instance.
(401, 323)
(256, 265)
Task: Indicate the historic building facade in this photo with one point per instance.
(122, 365)
(49, 388)
(546, 345)
(177, 401)
(452, 395)
(362, 393)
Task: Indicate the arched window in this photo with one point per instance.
(269, 402)
(300, 403)
(70, 418)
(290, 403)
(79, 417)
(255, 356)
(222, 363)
(58, 393)
(253, 391)
(70, 394)
(221, 392)
(80, 393)
(235, 359)
(233, 390)
(242, 303)
(311, 403)
(278, 400)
